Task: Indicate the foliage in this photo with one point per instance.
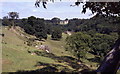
(10, 19)
(56, 34)
(100, 8)
(107, 8)
(98, 44)
(40, 29)
(94, 35)
(55, 20)
(99, 34)
(13, 15)
(79, 43)
(6, 21)
(97, 24)
(101, 44)
(35, 26)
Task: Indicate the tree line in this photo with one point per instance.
(36, 26)
(95, 35)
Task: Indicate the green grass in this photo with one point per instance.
(15, 56)
(58, 47)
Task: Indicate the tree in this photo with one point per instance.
(29, 29)
(107, 8)
(29, 25)
(79, 43)
(55, 20)
(6, 21)
(41, 35)
(110, 63)
(49, 26)
(31, 20)
(35, 26)
(101, 44)
(40, 29)
(112, 59)
(12, 17)
(56, 33)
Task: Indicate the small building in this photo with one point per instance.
(64, 22)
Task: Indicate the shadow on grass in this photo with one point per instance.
(72, 62)
(96, 60)
(50, 68)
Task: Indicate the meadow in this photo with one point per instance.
(15, 56)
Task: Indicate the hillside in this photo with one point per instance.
(15, 56)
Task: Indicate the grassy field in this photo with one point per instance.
(15, 54)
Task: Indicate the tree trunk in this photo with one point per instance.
(111, 62)
(13, 24)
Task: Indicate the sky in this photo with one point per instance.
(58, 9)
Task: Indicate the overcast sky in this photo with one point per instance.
(26, 8)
